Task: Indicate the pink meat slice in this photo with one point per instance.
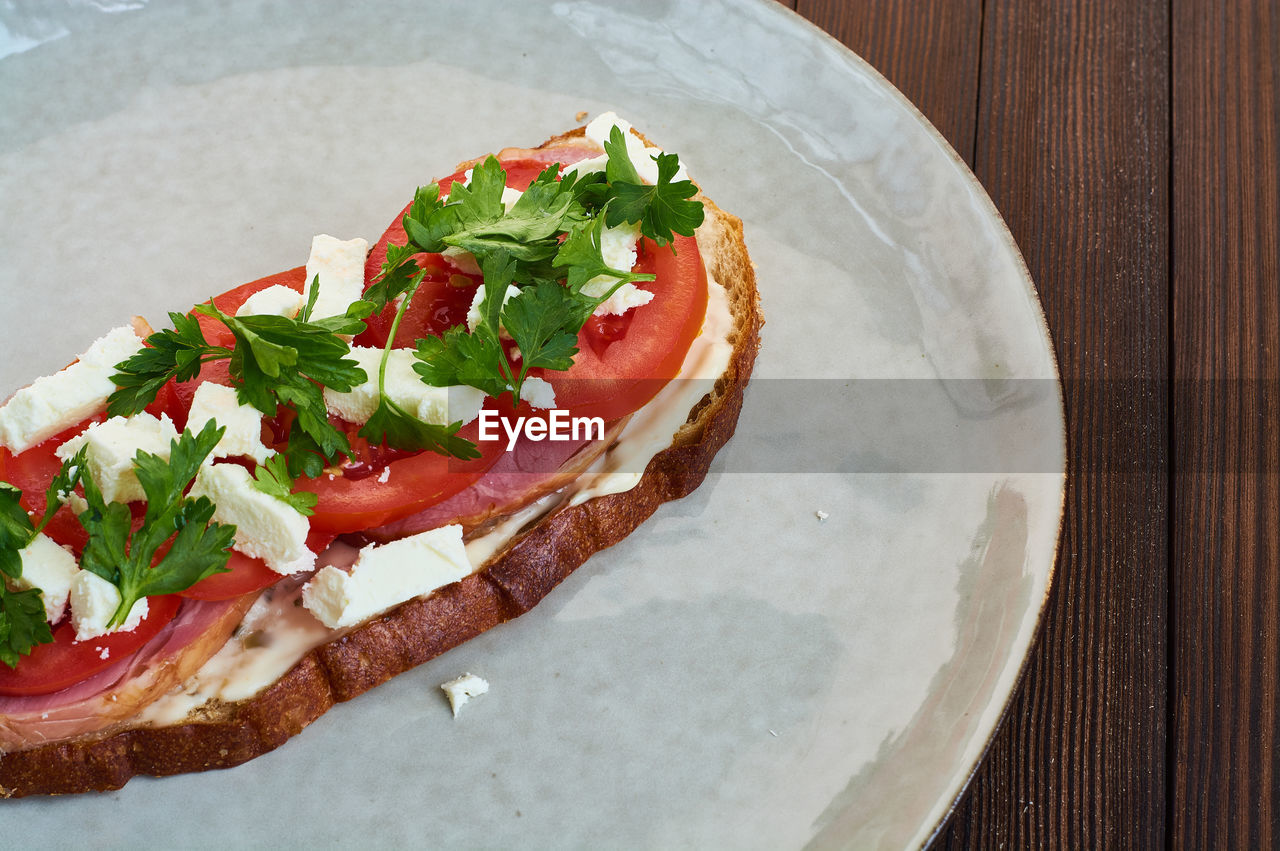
(530, 471)
(198, 631)
(565, 152)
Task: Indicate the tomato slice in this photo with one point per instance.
(621, 365)
(52, 667)
(442, 301)
(520, 173)
(624, 361)
(247, 574)
(229, 302)
(32, 471)
(406, 486)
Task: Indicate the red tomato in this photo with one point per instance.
(520, 173)
(229, 302)
(442, 301)
(246, 574)
(33, 470)
(350, 504)
(55, 666)
(174, 398)
(623, 362)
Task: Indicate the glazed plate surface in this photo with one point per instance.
(737, 673)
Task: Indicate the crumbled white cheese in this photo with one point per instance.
(618, 248)
(93, 601)
(438, 405)
(461, 259)
(510, 197)
(474, 313)
(243, 423)
(598, 130)
(623, 298)
(49, 567)
(340, 265)
(56, 402)
(821, 515)
(387, 575)
(266, 527)
(112, 447)
(538, 393)
(464, 688)
(275, 300)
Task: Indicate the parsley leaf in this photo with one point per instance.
(128, 559)
(581, 254)
(475, 220)
(660, 209)
(22, 624)
(16, 530)
(551, 233)
(393, 425)
(397, 427)
(313, 294)
(476, 360)
(273, 479)
(177, 354)
(276, 360)
(537, 320)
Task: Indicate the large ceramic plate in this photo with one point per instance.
(738, 673)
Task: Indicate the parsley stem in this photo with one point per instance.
(395, 327)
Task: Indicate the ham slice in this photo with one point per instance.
(530, 471)
(115, 694)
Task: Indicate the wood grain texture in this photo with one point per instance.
(927, 48)
(1225, 781)
(1072, 144)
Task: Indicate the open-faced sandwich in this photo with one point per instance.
(211, 533)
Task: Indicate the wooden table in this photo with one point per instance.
(1134, 150)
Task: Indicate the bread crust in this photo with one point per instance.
(510, 583)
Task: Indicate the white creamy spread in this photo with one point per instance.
(277, 631)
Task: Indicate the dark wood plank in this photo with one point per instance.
(1226, 326)
(1072, 144)
(927, 48)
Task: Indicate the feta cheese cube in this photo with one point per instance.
(598, 130)
(243, 423)
(112, 447)
(93, 601)
(464, 688)
(618, 247)
(340, 265)
(56, 402)
(49, 567)
(276, 300)
(623, 298)
(477, 301)
(439, 405)
(266, 527)
(387, 575)
(461, 259)
(538, 393)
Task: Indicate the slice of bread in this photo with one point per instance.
(218, 735)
